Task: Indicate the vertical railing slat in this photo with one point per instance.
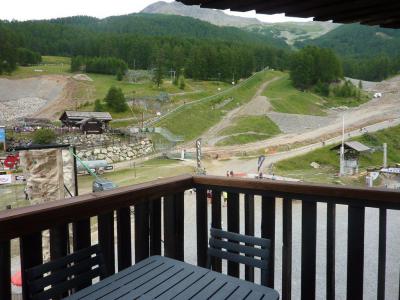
(287, 249)
(308, 249)
(173, 226)
(5, 270)
(201, 223)
(81, 234)
(330, 250)
(142, 231)
(124, 245)
(59, 244)
(268, 232)
(106, 240)
(382, 254)
(355, 252)
(81, 239)
(155, 226)
(216, 223)
(31, 255)
(233, 217)
(249, 229)
(180, 224)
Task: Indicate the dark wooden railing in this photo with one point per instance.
(160, 205)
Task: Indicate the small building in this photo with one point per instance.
(352, 151)
(91, 126)
(89, 120)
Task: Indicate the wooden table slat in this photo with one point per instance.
(113, 282)
(184, 284)
(166, 278)
(120, 287)
(211, 289)
(226, 291)
(168, 284)
(240, 293)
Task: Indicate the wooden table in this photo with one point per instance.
(166, 278)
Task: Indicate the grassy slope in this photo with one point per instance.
(284, 97)
(329, 160)
(247, 126)
(87, 92)
(196, 119)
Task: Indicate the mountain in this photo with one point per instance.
(290, 32)
(293, 32)
(212, 16)
(356, 40)
(180, 26)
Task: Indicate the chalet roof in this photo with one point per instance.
(385, 13)
(80, 115)
(84, 121)
(354, 145)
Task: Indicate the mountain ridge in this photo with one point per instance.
(209, 15)
(290, 32)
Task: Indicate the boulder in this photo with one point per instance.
(315, 165)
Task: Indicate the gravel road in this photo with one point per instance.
(27, 97)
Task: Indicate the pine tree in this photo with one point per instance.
(158, 72)
(115, 100)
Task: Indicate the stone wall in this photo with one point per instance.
(90, 140)
(118, 153)
(113, 148)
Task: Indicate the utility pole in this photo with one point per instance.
(384, 155)
(172, 72)
(341, 172)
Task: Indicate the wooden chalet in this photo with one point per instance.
(77, 118)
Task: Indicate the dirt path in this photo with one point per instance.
(258, 105)
(372, 112)
(219, 167)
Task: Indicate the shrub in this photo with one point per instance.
(98, 106)
(44, 136)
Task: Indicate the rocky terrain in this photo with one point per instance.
(105, 147)
(212, 16)
(26, 97)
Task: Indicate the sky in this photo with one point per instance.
(46, 9)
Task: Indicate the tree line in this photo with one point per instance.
(312, 65)
(366, 52)
(200, 58)
(11, 55)
(100, 65)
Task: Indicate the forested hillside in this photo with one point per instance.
(369, 53)
(205, 51)
(357, 41)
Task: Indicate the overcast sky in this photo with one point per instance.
(47, 9)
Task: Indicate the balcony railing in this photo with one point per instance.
(158, 222)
